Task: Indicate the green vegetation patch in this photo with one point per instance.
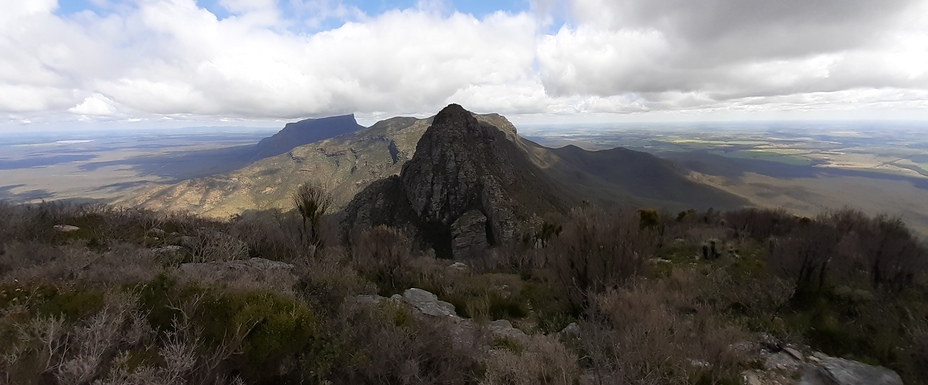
(71, 302)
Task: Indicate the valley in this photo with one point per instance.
(804, 167)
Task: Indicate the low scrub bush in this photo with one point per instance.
(596, 252)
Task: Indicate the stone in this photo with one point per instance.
(469, 235)
(458, 266)
(66, 228)
(696, 363)
(839, 371)
(571, 330)
(503, 328)
(428, 303)
(793, 353)
(157, 232)
(781, 361)
(169, 249)
(759, 377)
(258, 264)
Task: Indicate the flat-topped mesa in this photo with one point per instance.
(304, 132)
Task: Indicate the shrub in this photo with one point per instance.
(383, 254)
(540, 360)
(370, 346)
(596, 252)
(635, 336)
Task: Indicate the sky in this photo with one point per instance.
(252, 62)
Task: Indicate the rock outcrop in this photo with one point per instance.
(787, 365)
(469, 234)
(471, 184)
(427, 304)
(839, 371)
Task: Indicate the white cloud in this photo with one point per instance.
(97, 105)
(170, 58)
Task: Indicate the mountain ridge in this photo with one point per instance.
(348, 163)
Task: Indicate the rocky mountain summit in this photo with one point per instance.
(470, 185)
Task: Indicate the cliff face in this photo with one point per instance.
(470, 185)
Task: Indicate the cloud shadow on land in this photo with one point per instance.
(180, 165)
(718, 165)
(6, 193)
(43, 161)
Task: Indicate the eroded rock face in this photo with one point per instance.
(469, 235)
(381, 203)
(460, 165)
(470, 185)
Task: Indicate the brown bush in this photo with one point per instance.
(804, 257)
(636, 335)
(384, 255)
(760, 224)
(541, 360)
(387, 344)
(596, 252)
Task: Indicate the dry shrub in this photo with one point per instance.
(383, 254)
(388, 344)
(804, 257)
(643, 335)
(541, 360)
(328, 280)
(210, 245)
(39, 262)
(78, 353)
(918, 336)
(28, 260)
(760, 224)
(596, 252)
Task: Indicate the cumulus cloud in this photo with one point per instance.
(726, 50)
(277, 59)
(94, 105)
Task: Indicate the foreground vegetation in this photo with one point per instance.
(657, 298)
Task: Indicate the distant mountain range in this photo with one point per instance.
(431, 172)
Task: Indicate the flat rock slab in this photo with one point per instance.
(839, 371)
(428, 303)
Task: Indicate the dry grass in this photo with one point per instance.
(541, 360)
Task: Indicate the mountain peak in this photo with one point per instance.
(469, 185)
(454, 113)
